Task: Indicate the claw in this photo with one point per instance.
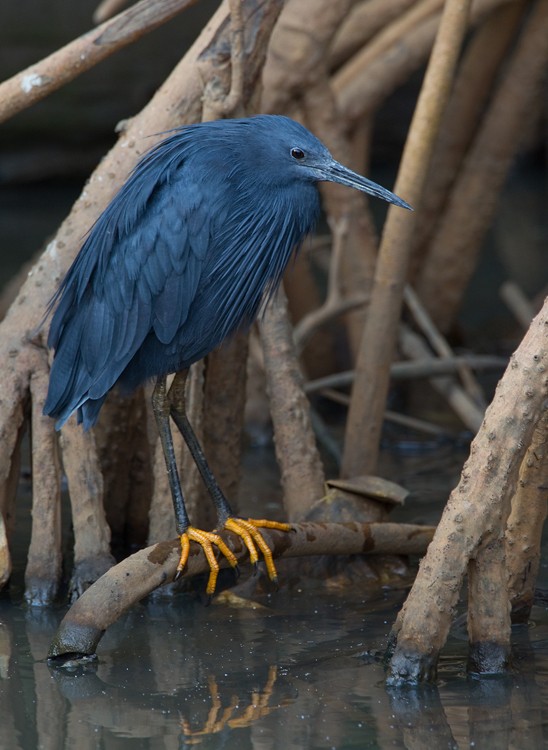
(248, 531)
(185, 549)
(207, 541)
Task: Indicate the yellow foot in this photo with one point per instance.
(248, 531)
(207, 540)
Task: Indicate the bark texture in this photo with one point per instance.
(136, 576)
(301, 468)
(471, 530)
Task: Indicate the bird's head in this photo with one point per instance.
(294, 154)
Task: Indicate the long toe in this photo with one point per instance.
(208, 541)
(248, 530)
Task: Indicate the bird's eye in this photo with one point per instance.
(297, 153)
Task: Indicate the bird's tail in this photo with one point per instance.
(69, 382)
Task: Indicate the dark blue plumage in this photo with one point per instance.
(183, 256)
(177, 261)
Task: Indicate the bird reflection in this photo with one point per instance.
(239, 713)
(311, 684)
(94, 702)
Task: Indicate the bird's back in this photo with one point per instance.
(180, 259)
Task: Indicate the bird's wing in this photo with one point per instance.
(137, 272)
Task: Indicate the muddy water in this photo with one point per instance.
(301, 669)
(303, 673)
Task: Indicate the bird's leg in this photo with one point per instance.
(246, 529)
(187, 533)
(177, 406)
(160, 407)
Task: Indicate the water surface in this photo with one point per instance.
(301, 668)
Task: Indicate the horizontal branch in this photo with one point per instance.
(64, 65)
(138, 575)
(419, 368)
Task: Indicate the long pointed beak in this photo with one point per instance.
(337, 172)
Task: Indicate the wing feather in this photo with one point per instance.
(177, 262)
(136, 274)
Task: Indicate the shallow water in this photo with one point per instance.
(304, 672)
(302, 669)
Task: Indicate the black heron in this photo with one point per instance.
(183, 256)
